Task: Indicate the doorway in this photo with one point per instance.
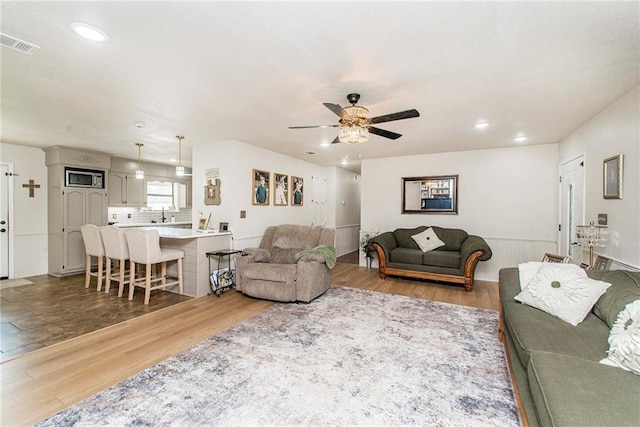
(571, 203)
(5, 204)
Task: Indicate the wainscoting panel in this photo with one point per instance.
(347, 238)
(510, 253)
(30, 255)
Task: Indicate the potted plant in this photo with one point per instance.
(365, 237)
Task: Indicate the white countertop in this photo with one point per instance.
(183, 233)
(151, 224)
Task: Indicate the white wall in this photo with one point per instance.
(28, 220)
(508, 196)
(614, 131)
(236, 160)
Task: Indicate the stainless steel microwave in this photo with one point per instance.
(85, 178)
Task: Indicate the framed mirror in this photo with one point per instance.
(430, 195)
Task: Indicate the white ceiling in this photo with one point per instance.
(216, 71)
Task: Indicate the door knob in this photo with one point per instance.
(3, 222)
(2, 230)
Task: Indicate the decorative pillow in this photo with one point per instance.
(563, 292)
(527, 271)
(427, 240)
(624, 340)
(625, 289)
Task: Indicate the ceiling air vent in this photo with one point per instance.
(17, 44)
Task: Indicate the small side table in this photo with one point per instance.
(219, 255)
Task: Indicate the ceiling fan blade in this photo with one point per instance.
(309, 127)
(337, 110)
(336, 141)
(409, 114)
(384, 133)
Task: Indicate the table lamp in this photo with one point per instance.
(591, 235)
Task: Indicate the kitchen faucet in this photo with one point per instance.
(163, 217)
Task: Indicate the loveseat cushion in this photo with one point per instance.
(406, 256)
(570, 391)
(452, 238)
(441, 258)
(534, 330)
(403, 236)
(624, 289)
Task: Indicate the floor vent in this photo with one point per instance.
(17, 44)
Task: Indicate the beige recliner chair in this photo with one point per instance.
(272, 272)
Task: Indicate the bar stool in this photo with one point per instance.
(92, 247)
(116, 250)
(144, 248)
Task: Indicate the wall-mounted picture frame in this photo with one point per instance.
(430, 195)
(260, 189)
(297, 191)
(601, 263)
(281, 192)
(612, 173)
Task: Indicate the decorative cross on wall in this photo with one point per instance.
(31, 186)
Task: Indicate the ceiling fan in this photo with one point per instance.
(354, 126)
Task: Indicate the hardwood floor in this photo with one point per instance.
(40, 383)
(55, 309)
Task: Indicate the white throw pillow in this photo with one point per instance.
(563, 291)
(527, 271)
(427, 240)
(624, 340)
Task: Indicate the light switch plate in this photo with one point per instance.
(243, 214)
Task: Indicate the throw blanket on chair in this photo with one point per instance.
(326, 253)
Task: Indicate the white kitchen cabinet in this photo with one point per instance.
(124, 189)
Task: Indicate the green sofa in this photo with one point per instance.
(555, 366)
(455, 262)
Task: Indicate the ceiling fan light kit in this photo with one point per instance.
(353, 134)
(354, 126)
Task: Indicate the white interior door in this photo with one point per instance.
(4, 221)
(571, 204)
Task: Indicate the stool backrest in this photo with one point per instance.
(144, 246)
(115, 243)
(92, 240)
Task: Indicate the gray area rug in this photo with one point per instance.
(349, 357)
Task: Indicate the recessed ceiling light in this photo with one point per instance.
(89, 32)
(481, 125)
(140, 125)
(325, 144)
(344, 161)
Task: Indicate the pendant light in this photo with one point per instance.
(180, 168)
(139, 172)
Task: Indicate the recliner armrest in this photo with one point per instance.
(257, 255)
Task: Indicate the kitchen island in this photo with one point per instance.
(195, 245)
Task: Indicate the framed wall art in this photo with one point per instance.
(260, 189)
(297, 191)
(281, 192)
(612, 174)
